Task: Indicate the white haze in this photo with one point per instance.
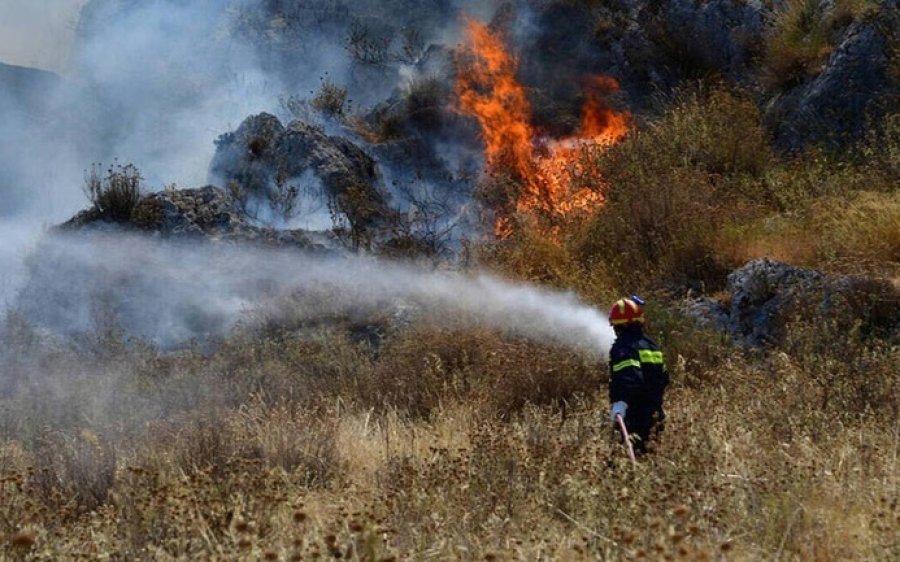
(172, 292)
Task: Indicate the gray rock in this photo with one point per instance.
(726, 31)
(23, 88)
(262, 155)
(854, 84)
(706, 312)
(759, 291)
(766, 296)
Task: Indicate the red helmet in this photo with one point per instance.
(625, 312)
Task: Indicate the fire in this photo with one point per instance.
(487, 89)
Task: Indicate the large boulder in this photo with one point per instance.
(760, 291)
(263, 159)
(765, 297)
(853, 87)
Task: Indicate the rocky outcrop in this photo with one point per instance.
(648, 46)
(853, 86)
(764, 297)
(207, 213)
(24, 88)
(262, 158)
(653, 47)
(716, 36)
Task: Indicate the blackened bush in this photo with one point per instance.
(425, 99)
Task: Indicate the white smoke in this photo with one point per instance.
(173, 292)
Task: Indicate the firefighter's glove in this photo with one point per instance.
(618, 409)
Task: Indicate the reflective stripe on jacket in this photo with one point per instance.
(637, 369)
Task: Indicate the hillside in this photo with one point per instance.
(380, 332)
(23, 85)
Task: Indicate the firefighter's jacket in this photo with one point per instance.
(637, 370)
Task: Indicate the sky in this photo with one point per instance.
(37, 33)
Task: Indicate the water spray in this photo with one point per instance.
(171, 293)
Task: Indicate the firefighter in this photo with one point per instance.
(638, 376)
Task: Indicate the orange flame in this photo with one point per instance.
(487, 89)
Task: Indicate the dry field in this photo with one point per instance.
(443, 445)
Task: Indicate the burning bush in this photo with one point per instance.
(540, 168)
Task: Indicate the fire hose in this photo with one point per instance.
(625, 436)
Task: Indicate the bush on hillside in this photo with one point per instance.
(672, 186)
(116, 194)
(797, 45)
(803, 35)
(74, 471)
(430, 365)
(331, 100)
(425, 100)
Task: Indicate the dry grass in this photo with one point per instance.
(803, 34)
(331, 100)
(455, 445)
(699, 192)
(672, 186)
(854, 233)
